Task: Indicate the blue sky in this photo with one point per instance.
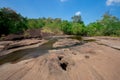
(90, 10)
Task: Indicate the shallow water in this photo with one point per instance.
(35, 52)
(76, 37)
(27, 53)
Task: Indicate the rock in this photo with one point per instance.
(58, 63)
(1, 47)
(13, 37)
(33, 33)
(65, 42)
(91, 62)
(22, 43)
(113, 43)
(3, 44)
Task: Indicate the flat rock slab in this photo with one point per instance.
(19, 45)
(65, 42)
(110, 43)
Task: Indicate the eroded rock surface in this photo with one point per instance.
(7, 47)
(65, 42)
(89, 61)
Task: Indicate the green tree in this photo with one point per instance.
(77, 19)
(78, 29)
(108, 26)
(94, 29)
(66, 27)
(111, 25)
(11, 22)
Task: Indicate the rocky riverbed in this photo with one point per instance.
(7, 47)
(93, 58)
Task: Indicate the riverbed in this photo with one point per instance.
(41, 49)
(65, 58)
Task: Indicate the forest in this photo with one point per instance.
(12, 22)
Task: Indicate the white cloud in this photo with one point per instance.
(78, 13)
(111, 2)
(63, 0)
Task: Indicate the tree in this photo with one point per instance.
(111, 25)
(11, 22)
(78, 29)
(108, 26)
(94, 29)
(66, 27)
(77, 19)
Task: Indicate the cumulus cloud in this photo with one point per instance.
(78, 13)
(111, 2)
(63, 0)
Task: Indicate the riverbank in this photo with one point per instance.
(69, 59)
(10, 46)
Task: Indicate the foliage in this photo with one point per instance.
(108, 26)
(11, 22)
(77, 19)
(36, 23)
(66, 27)
(52, 25)
(77, 29)
(111, 25)
(94, 29)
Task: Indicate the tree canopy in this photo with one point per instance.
(13, 22)
(108, 26)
